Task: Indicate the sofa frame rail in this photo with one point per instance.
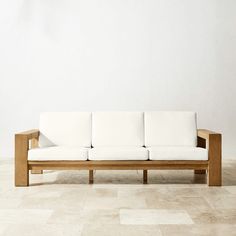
(206, 139)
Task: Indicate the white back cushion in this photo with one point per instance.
(117, 129)
(170, 128)
(65, 129)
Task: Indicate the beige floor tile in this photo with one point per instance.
(101, 217)
(231, 189)
(198, 230)
(177, 202)
(153, 217)
(226, 216)
(222, 201)
(66, 216)
(120, 230)
(6, 203)
(24, 216)
(42, 230)
(114, 203)
(51, 203)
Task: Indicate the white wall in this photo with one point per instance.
(64, 55)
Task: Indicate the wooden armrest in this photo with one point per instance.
(29, 134)
(212, 141)
(22, 141)
(205, 134)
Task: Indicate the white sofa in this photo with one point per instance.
(118, 140)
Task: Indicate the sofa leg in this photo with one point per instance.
(145, 176)
(200, 172)
(21, 176)
(90, 176)
(36, 171)
(214, 162)
(21, 163)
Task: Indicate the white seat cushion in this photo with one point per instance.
(170, 128)
(110, 129)
(118, 153)
(58, 153)
(65, 129)
(178, 153)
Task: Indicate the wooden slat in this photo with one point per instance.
(145, 176)
(200, 172)
(90, 176)
(116, 165)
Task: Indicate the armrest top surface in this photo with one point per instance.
(205, 134)
(30, 134)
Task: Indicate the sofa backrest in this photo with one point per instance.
(65, 129)
(114, 129)
(170, 128)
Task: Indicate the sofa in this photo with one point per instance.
(152, 140)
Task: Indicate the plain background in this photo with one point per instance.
(88, 55)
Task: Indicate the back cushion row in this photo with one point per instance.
(101, 129)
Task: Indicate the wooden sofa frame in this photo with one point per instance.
(206, 139)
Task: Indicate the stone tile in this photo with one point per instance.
(177, 202)
(51, 203)
(42, 229)
(226, 216)
(198, 230)
(114, 203)
(153, 216)
(102, 193)
(6, 203)
(66, 216)
(24, 216)
(120, 230)
(231, 189)
(222, 201)
(101, 217)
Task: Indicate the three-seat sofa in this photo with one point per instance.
(118, 140)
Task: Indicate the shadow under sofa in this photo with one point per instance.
(91, 141)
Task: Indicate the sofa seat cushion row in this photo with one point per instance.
(117, 153)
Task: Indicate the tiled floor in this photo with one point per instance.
(62, 203)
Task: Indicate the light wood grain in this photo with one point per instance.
(21, 156)
(212, 141)
(35, 144)
(117, 165)
(21, 165)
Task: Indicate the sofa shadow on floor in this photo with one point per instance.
(132, 177)
(119, 177)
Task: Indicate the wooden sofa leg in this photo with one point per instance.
(200, 172)
(214, 162)
(90, 176)
(21, 164)
(145, 176)
(36, 171)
